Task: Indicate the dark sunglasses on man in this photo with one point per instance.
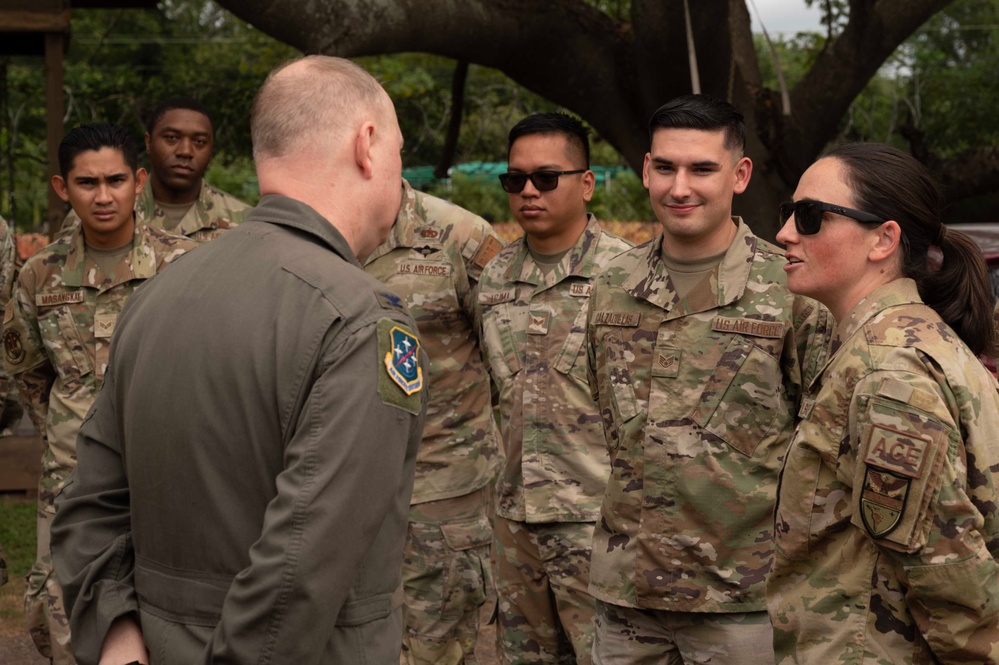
(543, 181)
(808, 215)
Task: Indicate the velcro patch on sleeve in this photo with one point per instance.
(489, 248)
(400, 377)
(895, 451)
(882, 501)
(389, 300)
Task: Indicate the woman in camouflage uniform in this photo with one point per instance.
(887, 522)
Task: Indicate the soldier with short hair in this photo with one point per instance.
(534, 297)
(433, 258)
(58, 324)
(180, 139)
(698, 355)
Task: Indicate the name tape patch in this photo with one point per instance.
(52, 299)
(754, 327)
(629, 319)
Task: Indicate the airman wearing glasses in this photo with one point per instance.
(533, 298)
(699, 355)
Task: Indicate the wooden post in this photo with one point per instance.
(54, 129)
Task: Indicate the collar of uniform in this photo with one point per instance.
(897, 292)
(404, 230)
(285, 211)
(577, 262)
(194, 220)
(655, 287)
(81, 270)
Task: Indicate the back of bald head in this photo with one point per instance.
(312, 103)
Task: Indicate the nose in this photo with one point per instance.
(788, 234)
(185, 147)
(680, 188)
(103, 194)
(530, 191)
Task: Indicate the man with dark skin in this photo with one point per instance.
(180, 140)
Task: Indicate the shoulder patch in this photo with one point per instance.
(489, 248)
(400, 377)
(12, 348)
(389, 300)
(882, 501)
(895, 451)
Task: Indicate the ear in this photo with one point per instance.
(59, 185)
(140, 180)
(589, 184)
(886, 241)
(743, 172)
(363, 155)
(149, 144)
(645, 169)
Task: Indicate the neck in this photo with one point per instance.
(164, 194)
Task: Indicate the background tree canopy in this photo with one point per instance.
(903, 71)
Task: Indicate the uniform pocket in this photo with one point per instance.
(469, 576)
(796, 501)
(569, 355)
(64, 343)
(741, 400)
(498, 340)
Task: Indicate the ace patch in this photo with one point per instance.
(882, 501)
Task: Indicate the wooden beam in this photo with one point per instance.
(54, 128)
(20, 20)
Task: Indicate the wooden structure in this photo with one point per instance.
(42, 28)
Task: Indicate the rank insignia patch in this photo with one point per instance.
(883, 501)
(402, 360)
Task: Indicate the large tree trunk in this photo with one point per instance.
(613, 73)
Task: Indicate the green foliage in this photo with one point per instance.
(120, 65)
(941, 86)
(17, 534)
(420, 86)
(481, 195)
(623, 198)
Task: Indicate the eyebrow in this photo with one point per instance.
(168, 128)
(669, 162)
(109, 176)
(543, 167)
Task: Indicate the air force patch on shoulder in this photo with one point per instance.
(403, 360)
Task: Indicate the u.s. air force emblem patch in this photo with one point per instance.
(402, 360)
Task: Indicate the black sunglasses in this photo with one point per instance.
(543, 181)
(808, 215)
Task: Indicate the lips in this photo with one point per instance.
(104, 215)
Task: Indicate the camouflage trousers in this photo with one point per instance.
(446, 577)
(44, 612)
(631, 636)
(542, 576)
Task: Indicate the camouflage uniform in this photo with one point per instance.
(8, 255)
(887, 524)
(212, 214)
(698, 397)
(548, 495)
(56, 332)
(433, 258)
